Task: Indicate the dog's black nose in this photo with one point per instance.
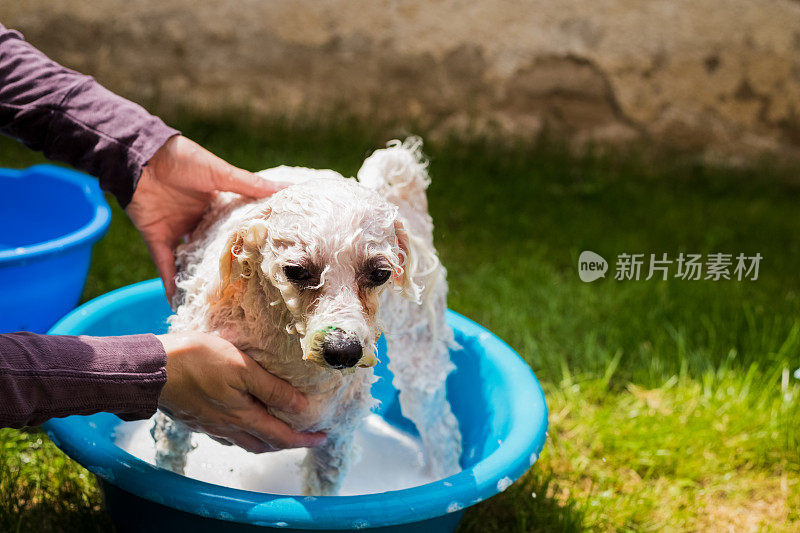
(341, 352)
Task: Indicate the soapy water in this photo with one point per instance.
(390, 459)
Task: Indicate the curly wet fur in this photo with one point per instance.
(231, 282)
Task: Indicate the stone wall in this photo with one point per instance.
(722, 76)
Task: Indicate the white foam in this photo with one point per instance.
(391, 459)
(504, 483)
(454, 506)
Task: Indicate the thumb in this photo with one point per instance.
(233, 179)
(271, 390)
(165, 263)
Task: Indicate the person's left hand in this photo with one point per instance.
(174, 191)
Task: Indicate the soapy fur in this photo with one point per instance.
(231, 282)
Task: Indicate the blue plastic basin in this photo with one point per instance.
(497, 399)
(49, 219)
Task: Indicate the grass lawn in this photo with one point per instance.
(672, 402)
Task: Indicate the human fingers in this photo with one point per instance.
(184, 164)
(164, 258)
(270, 389)
(252, 444)
(232, 436)
(277, 433)
(232, 179)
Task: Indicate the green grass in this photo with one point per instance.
(672, 404)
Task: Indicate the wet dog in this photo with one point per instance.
(305, 281)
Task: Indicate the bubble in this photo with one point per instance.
(454, 506)
(504, 483)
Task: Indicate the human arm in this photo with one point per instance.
(46, 376)
(197, 378)
(72, 118)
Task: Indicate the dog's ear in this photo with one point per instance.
(226, 262)
(405, 277)
(237, 260)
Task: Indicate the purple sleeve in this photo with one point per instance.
(46, 376)
(72, 118)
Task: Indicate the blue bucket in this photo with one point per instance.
(49, 219)
(495, 396)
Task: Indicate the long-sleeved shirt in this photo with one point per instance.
(72, 118)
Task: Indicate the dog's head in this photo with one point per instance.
(325, 249)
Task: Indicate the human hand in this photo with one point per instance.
(174, 191)
(215, 388)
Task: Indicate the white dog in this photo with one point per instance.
(305, 281)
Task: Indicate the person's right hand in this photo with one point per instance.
(175, 190)
(215, 388)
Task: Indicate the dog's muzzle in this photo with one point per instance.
(336, 348)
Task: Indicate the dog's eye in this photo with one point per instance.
(296, 273)
(379, 276)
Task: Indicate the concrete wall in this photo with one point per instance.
(722, 76)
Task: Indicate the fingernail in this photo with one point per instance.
(276, 184)
(318, 439)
